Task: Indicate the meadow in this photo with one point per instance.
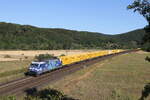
(119, 78)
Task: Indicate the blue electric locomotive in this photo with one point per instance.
(37, 68)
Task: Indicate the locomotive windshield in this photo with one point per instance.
(34, 65)
(42, 65)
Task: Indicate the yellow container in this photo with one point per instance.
(80, 57)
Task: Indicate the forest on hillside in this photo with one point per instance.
(26, 37)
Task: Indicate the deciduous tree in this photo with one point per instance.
(143, 7)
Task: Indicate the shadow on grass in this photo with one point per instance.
(145, 92)
(46, 94)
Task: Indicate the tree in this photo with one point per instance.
(143, 7)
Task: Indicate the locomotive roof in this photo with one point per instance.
(42, 62)
(38, 62)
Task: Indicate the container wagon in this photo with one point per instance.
(37, 68)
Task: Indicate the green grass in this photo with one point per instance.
(13, 69)
(120, 78)
(13, 65)
(13, 72)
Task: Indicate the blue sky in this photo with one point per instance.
(104, 16)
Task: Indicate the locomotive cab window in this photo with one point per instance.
(34, 65)
(42, 65)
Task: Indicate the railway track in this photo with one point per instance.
(22, 85)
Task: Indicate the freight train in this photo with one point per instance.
(37, 68)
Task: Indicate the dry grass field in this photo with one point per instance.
(119, 78)
(17, 55)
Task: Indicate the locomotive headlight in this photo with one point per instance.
(39, 69)
(30, 68)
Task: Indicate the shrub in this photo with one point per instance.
(147, 59)
(7, 56)
(118, 95)
(26, 57)
(145, 92)
(46, 94)
(22, 54)
(146, 47)
(44, 57)
(62, 55)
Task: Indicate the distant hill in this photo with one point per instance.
(130, 39)
(26, 37)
